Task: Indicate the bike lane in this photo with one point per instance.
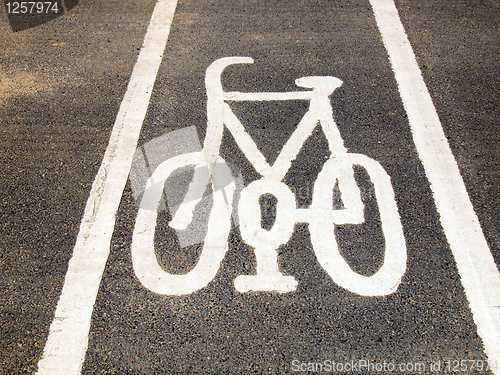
(218, 329)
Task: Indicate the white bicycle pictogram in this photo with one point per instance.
(211, 170)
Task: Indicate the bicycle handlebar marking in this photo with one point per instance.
(320, 216)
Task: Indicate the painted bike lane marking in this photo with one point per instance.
(67, 342)
(321, 216)
(429, 141)
(478, 271)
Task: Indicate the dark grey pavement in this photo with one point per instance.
(61, 84)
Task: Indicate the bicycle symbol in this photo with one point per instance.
(211, 170)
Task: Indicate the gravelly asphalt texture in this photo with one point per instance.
(61, 84)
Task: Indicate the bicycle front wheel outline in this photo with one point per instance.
(144, 260)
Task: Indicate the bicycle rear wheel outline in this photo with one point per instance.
(322, 230)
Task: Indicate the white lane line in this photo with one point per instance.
(476, 266)
(67, 342)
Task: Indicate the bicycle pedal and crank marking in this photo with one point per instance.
(320, 215)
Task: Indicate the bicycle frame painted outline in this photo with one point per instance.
(320, 216)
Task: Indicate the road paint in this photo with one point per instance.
(144, 259)
(321, 215)
(190, 229)
(67, 342)
(476, 266)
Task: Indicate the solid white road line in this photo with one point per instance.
(67, 342)
(476, 266)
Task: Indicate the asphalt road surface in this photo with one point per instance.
(368, 253)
